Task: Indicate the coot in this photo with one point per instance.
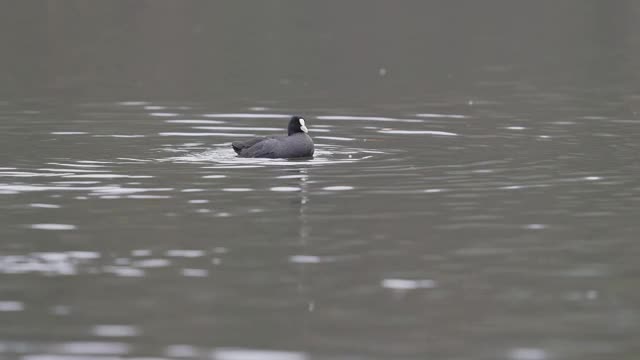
(295, 145)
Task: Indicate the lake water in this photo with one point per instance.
(475, 191)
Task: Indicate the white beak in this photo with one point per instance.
(303, 127)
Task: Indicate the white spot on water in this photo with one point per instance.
(163, 114)
(195, 272)
(451, 116)
(516, 128)
(338, 188)
(237, 189)
(214, 176)
(593, 178)
(124, 271)
(198, 201)
(188, 121)
(407, 284)
(148, 197)
(61, 310)
(182, 351)
(253, 354)
(512, 187)
(115, 330)
(416, 132)
(108, 176)
(185, 253)
(205, 134)
(152, 263)
(337, 138)
(305, 259)
(132, 103)
(121, 136)
(237, 128)
(527, 354)
(367, 118)
(535, 226)
(141, 252)
(89, 347)
(83, 255)
(69, 133)
(285, 188)
(53, 227)
(247, 116)
(44, 206)
(11, 306)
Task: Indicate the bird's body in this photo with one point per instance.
(295, 145)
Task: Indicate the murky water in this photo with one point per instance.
(489, 214)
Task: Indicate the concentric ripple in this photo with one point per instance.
(324, 155)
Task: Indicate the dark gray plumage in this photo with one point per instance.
(295, 145)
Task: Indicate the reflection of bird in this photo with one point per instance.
(295, 145)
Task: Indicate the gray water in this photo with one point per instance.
(474, 195)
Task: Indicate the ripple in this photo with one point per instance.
(121, 136)
(194, 121)
(367, 118)
(76, 165)
(109, 176)
(325, 154)
(337, 138)
(255, 354)
(416, 132)
(163, 114)
(69, 133)
(204, 134)
(237, 128)
(247, 116)
(436, 115)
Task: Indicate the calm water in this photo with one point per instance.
(474, 195)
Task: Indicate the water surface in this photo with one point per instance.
(466, 201)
